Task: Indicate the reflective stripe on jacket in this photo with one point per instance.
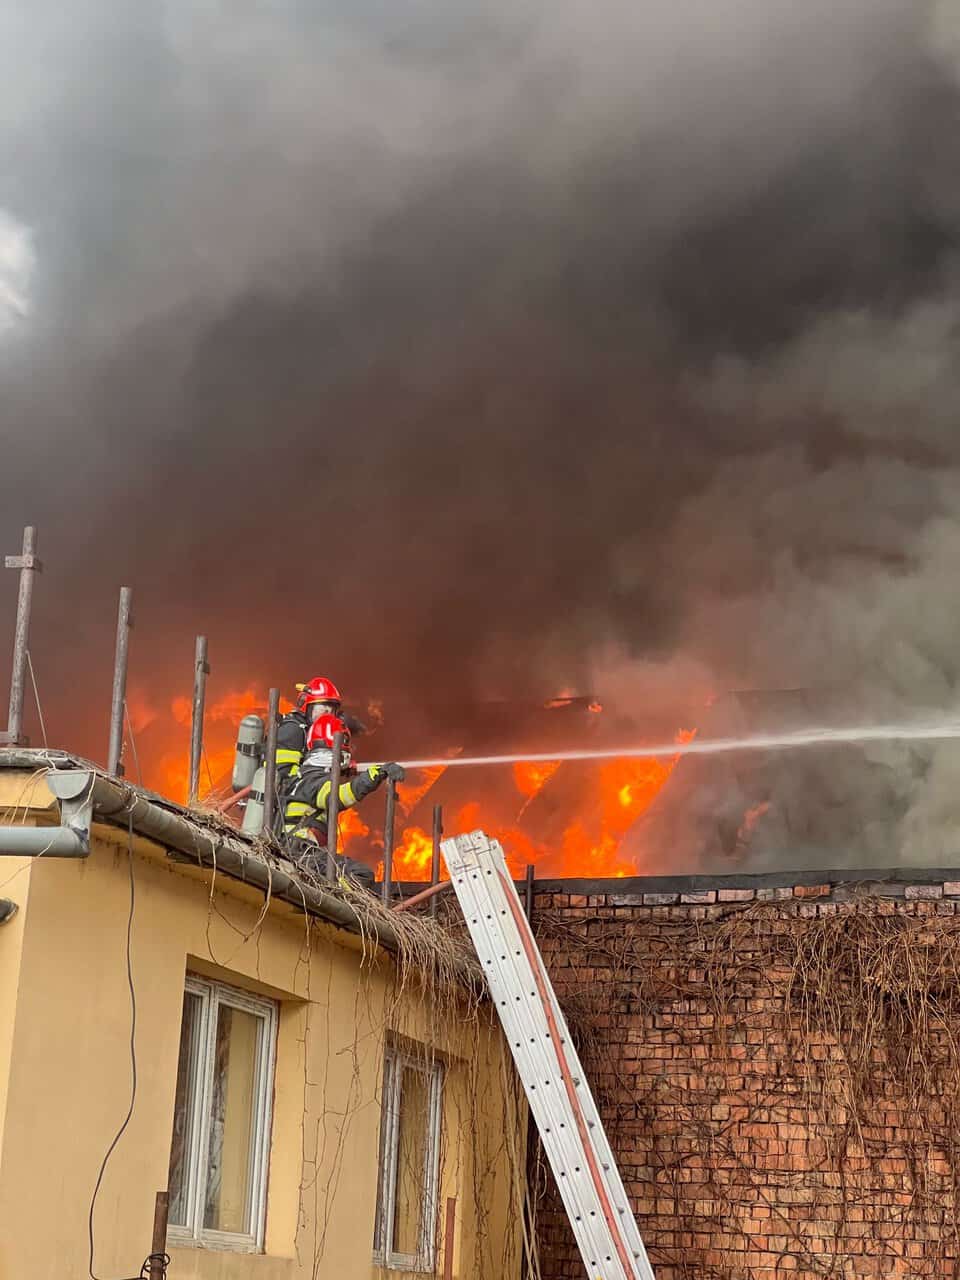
(308, 801)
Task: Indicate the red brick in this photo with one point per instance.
(728, 1154)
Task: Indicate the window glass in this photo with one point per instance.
(232, 1120)
(221, 1122)
(409, 1156)
(413, 1134)
(386, 1140)
(185, 1108)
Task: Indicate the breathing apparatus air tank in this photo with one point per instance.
(252, 822)
(250, 743)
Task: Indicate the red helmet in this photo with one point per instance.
(324, 729)
(319, 689)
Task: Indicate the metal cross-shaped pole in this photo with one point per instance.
(28, 564)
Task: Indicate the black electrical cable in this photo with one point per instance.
(133, 1065)
(133, 743)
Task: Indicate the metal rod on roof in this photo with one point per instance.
(333, 808)
(389, 834)
(158, 1243)
(435, 860)
(124, 623)
(201, 669)
(425, 895)
(28, 564)
(529, 890)
(270, 763)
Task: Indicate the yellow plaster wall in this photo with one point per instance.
(23, 797)
(16, 880)
(65, 1076)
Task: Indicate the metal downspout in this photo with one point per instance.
(71, 839)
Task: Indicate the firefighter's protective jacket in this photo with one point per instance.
(291, 744)
(305, 813)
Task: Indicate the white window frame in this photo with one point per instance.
(212, 995)
(395, 1061)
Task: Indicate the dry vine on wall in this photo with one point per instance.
(781, 1083)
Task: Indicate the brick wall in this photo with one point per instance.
(754, 1136)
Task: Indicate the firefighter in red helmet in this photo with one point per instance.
(319, 692)
(318, 697)
(306, 807)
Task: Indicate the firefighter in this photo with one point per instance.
(305, 811)
(318, 697)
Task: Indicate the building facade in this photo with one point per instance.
(314, 1105)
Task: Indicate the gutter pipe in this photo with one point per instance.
(43, 842)
(86, 795)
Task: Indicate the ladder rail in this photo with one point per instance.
(522, 1033)
(549, 1067)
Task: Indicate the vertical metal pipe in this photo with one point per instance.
(389, 835)
(270, 763)
(333, 808)
(201, 670)
(529, 890)
(158, 1244)
(435, 860)
(28, 564)
(448, 1230)
(124, 623)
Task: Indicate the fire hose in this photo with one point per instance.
(927, 731)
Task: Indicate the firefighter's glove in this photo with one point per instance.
(395, 772)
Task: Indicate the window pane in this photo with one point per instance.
(184, 1111)
(227, 1204)
(386, 1121)
(412, 1147)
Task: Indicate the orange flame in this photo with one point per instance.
(590, 844)
(410, 794)
(530, 776)
(750, 820)
(413, 856)
(170, 774)
(352, 826)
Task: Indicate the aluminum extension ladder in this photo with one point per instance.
(560, 1100)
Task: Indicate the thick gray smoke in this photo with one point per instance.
(468, 351)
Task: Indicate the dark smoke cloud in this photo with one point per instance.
(490, 350)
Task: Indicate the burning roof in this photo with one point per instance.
(756, 810)
(568, 819)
